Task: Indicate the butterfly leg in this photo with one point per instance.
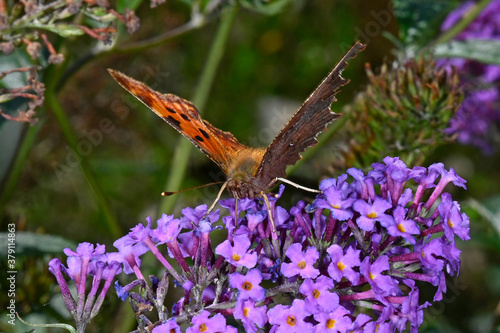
(235, 213)
(274, 234)
(216, 199)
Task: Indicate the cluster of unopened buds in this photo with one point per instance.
(22, 24)
(350, 261)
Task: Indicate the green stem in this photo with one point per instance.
(17, 167)
(57, 109)
(40, 11)
(157, 40)
(463, 23)
(183, 150)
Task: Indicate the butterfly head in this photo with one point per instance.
(243, 189)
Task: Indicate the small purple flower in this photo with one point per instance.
(359, 322)
(128, 254)
(342, 264)
(251, 316)
(248, 285)
(337, 203)
(202, 324)
(363, 184)
(140, 232)
(447, 176)
(193, 216)
(168, 229)
(302, 263)
(79, 260)
(454, 222)
(339, 183)
(170, 326)
(254, 219)
(318, 296)
(187, 244)
(281, 218)
(431, 254)
(237, 254)
(371, 213)
(410, 307)
(452, 255)
(400, 226)
(333, 321)
(381, 284)
(290, 319)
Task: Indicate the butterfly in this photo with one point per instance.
(250, 171)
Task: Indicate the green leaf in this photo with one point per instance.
(418, 20)
(29, 243)
(487, 51)
(62, 29)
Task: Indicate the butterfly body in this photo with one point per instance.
(250, 171)
(241, 173)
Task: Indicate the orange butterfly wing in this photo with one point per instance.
(221, 147)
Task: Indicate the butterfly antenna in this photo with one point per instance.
(283, 180)
(167, 194)
(217, 198)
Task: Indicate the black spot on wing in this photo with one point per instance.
(205, 134)
(199, 138)
(185, 117)
(173, 121)
(171, 110)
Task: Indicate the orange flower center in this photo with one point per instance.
(340, 265)
(401, 227)
(202, 328)
(316, 293)
(372, 276)
(450, 223)
(246, 312)
(330, 323)
(290, 320)
(247, 286)
(337, 206)
(236, 257)
(302, 264)
(371, 215)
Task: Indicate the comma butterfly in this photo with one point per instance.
(249, 171)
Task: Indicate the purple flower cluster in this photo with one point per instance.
(86, 261)
(348, 262)
(479, 115)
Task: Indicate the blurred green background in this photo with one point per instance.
(270, 64)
